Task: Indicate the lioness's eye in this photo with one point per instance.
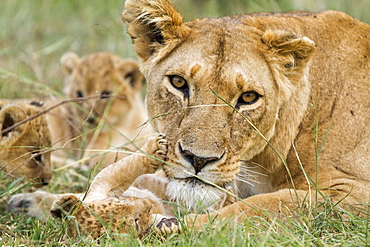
(79, 94)
(105, 94)
(180, 83)
(248, 98)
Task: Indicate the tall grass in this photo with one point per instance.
(34, 34)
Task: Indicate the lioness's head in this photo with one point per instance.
(192, 69)
(107, 83)
(22, 148)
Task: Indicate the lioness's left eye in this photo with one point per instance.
(178, 82)
(248, 98)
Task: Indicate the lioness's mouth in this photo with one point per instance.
(194, 182)
(194, 195)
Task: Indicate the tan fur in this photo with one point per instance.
(113, 201)
(307, 68)
(129, 201)
(108, 108)
(24, 149)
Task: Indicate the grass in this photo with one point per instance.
(33, 37)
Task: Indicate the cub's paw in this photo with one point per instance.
(157, 146)
(36, 204)
(164, 225)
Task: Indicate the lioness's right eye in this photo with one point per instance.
(180, 84)
(248, 98)
(79, 94)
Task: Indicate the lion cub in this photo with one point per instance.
(112, 202)
(106, 109)
(22, 148)
(127, 197)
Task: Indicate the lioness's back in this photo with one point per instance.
(340, 81)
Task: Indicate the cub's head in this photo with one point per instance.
(192, 69)
(107, 84)
(22, 149)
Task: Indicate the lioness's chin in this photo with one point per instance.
(193, 196)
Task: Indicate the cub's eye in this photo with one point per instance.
(79, 94)
(37, 156)
(105, 94)
(180, 84)
(248, 98)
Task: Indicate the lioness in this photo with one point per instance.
(23, 148)
(281, 98)
(276, 104)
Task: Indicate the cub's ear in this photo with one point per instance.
(130, 71)
(154, 26)
(288, 56)
(69, 62)
(10, 115)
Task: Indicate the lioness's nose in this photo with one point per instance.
(197, 162)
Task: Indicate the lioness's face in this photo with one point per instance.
(206, 136)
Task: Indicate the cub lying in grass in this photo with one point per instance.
(125, 197)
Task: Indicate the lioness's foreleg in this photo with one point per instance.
(282, 203)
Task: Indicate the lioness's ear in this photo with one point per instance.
(288, 56)
(130, 71)
(10, 115)
(154, 26)
(69, 62)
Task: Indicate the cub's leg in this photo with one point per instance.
(36, 204)
(118, 177)
(123, 215)
(39, 203)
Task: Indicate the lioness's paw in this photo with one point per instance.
(166, 225)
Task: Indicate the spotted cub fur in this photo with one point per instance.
(112, 203)
(124, 214)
